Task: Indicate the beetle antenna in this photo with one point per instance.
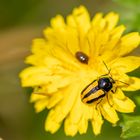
(107, 69)
(122, 82)
(111, 75)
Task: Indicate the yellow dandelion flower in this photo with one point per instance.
(79, 71)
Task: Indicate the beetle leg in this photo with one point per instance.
(107, 96)
(113, 91)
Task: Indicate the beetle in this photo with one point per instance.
(97, 89)
(82, 57)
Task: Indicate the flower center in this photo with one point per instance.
(82, 57)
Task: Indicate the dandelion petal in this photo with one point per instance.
(108, 112)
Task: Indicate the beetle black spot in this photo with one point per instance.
(82, 57)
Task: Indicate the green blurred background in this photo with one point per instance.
(20, 22)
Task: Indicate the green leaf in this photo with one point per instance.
(130, 126)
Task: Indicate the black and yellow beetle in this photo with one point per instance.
(97, 89)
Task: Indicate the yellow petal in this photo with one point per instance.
(126, 64)
(64, 107)
(37, 60)
(41, 104)
(54, 37)
(50, 124)
(57, 114)
(127, 43)
(111, 20)
(97, 121)
(83, 125)
(35, 97)
(58, 22)
(120, 102)
(53, 78)
(58, 82)
(76, 121)
(100, 41)
(104, 39)
(108, 112)
(96, 40)
(42, 60)
(118, 94)
(33, 76)
(80, 18)
(39, 46)
(71, 41)
(98, 21)
(69, 98)
(40, 49)
(90, 44)
(41, 101)
(54, 99)
(133, 85)
(114, 38)
(76, 111)
(87, 112)
(70, 127)
(68, 60)
(117, 32)
(126, 105)
(58, 27)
